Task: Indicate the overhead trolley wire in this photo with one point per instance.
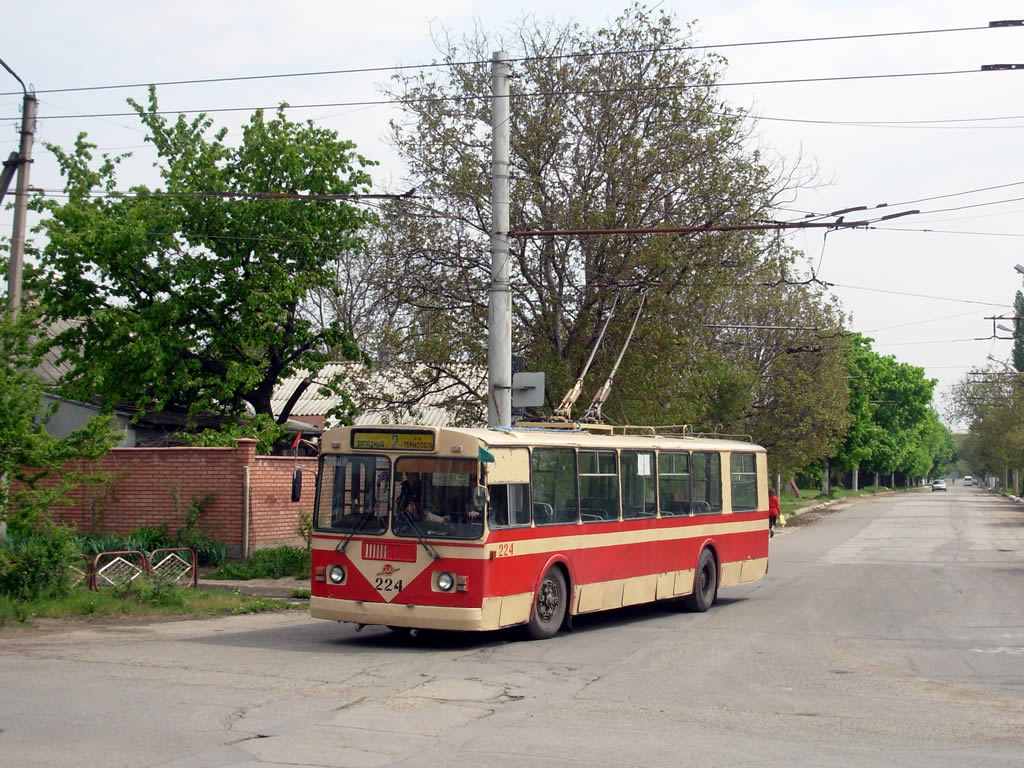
(537, 94)
(920, 295)
(471, 62)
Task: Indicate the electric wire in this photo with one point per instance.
(920, 295)
(917, 124)
(477, 62)
(533, 95)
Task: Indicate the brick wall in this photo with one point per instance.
(140, 493)
(273, 517)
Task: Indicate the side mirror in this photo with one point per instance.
(479, 499)
(297, 485)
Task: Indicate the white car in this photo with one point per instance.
(968, 480)
(939, 485)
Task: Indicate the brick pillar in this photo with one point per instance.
(246, 448)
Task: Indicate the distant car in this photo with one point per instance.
(939, 485)
(968, 480)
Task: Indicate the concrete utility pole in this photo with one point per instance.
(24, 161)
(499, 317)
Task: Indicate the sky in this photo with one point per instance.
(948, 145)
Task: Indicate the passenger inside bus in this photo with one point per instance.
(410, 501)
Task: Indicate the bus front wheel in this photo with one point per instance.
(705, 584)
(549, 606)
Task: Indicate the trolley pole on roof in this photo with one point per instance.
(499, 317)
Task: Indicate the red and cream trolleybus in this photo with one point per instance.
(477, 529)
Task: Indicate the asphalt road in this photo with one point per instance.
(887, 633)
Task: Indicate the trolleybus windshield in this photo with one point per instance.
(434, 497)
(352, 493)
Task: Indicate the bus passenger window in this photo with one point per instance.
(707, 483)
(674, 484)
(508, 507)
(599, 486)
(743, 469)
(554, 483)
(637, 469)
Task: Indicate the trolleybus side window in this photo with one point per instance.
(353, 493)
(743, 469)
(638, 499)
(508, 506)
(554, 486)
(674, 483)
(707, 483)
(599, 486)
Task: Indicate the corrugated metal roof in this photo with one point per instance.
(50, 370)
(371, 391)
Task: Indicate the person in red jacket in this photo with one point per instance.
(773, 510)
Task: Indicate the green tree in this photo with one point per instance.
(991, 402)
(188, 296)
(35, 465)
(790, 336)
(865, 436)
(1018, 331)
(619, 127)
(893, 428)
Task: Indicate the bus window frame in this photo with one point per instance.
(533, 487)
(732, 487)
(644, 514)
(614, 474)
(321, 488)
(528, 509)
(662, 512)
(721, 490)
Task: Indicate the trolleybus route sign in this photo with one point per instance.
(382, 440)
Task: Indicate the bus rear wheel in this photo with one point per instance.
(705, 584)
(548, 607)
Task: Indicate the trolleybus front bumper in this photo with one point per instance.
(496, 612)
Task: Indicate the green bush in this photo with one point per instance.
(276, 563)
(36, 565)
(157, 592)
(209, 551)
(148, 538)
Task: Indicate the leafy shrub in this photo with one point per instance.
(149, 538)
(304, 528)
(256, 605)
(36, 565)
(276, 563)
(94, 543)
(158, 592)
(209, 551)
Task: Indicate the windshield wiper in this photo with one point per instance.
(367, 514)
(420, 535)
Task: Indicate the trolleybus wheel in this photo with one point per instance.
(549, 606)
(705, 584)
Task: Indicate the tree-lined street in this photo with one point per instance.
(890, 632)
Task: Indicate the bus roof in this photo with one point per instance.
(511, 437)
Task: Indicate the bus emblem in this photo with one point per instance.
(387, 570)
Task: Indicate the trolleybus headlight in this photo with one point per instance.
(337, 574)
(445, 581)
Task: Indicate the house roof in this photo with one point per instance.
(382, 396)
(50, 369)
